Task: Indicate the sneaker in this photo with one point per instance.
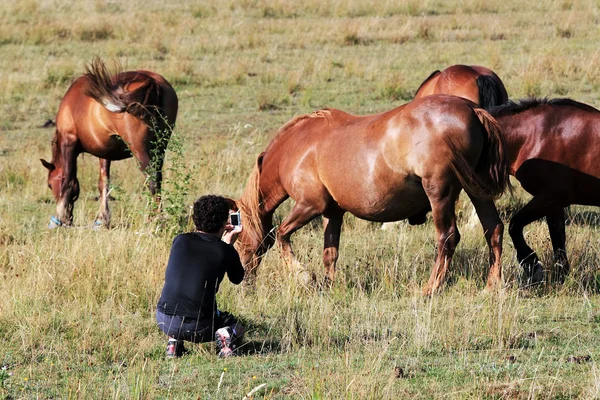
(175, 348)
(223, 338)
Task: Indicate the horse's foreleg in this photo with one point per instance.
(103, 217)
(493, 230)
(443, 201)
(534, 210)
(70, 185)
(300, 215)
(332, 226)
(556, 226)
(148, 167)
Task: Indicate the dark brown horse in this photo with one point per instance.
(383, 167)
(129, 114)
(552, 151)
(476, 83)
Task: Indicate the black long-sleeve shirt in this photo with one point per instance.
(197, 264)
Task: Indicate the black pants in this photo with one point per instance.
(193, 330)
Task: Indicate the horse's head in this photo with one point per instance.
(65, 192)
(254, 240)
(257, 236)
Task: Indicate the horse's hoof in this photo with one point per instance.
(427, 291)
(533, 275)
(54, 223)
(494, 282)
(326, 284)
(305, 278)
(538, 275)
(493, 286)
(98, 225)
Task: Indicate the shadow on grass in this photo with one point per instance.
(256, 345)
(252, 347)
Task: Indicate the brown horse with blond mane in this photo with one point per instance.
(551, 147)
(383, 167)
(112, 118)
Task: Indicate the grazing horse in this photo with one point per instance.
(478, 84)
(113, 118)
(383, 167)
(551, 147)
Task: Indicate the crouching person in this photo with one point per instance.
(187, 309)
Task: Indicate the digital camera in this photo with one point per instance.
(235, 219)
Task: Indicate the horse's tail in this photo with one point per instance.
(491, 91)
(490, 178)
(250, 204)
(110, 91)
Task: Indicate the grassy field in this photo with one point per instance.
(76, 305)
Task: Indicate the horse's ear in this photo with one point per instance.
(232, 204)
(48, 165)
(259, 161)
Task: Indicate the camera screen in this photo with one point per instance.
(235, 219)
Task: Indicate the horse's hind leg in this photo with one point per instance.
(163, 132)
(534, 210)
(157, 160)
(142, 151)
(103, 217)
(493, 230)
(443, 201)
(332, 225)
(556, 225)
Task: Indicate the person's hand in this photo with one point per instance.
(231, 233)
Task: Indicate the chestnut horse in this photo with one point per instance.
(383, 167)
(476, 83)
(113, 118)
(551, 147)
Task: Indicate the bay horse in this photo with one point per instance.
(553, 153)
(111, 117)
(479, 84)
(383, 167)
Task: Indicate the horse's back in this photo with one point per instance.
(100, 132)
(373, 166)
(464, 81)
(440, 125)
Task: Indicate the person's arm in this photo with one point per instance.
(235, 269)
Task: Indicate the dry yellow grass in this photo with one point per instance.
(76, 306)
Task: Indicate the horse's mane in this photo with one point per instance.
(511, 107)
(323, 113)
(55, 148)
(434, 73)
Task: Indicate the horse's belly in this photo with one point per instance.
(387, 204)
(111, 147)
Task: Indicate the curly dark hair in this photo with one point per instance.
(210, 213)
